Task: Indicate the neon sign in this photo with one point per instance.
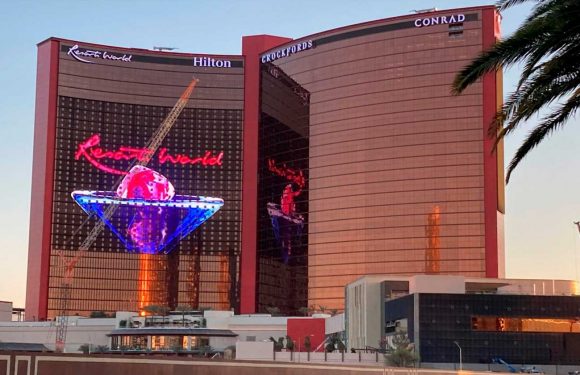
(90, 151)
(211, 62)
(78, 55)
(289, 174)
(284, 52)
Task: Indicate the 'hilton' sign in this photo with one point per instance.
(211, 62)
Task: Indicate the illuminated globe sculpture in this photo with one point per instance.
(148, 215)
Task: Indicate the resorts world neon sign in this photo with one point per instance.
(79, 55)
(90, 151)
(292, 175)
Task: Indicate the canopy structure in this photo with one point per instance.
(149, 226)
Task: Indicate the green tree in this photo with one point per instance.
(278, 344)
(101, 349)
(329, 348)
(304, 311)
(307, 343)
(341, 346)
(548, 45)
(289, 343)
(400, 352)
(85, 348)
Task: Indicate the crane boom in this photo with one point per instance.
(152, 146)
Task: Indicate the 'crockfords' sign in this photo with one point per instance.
(290, 50)
(439, 20)
(81, 54)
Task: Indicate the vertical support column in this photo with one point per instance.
(494, 266)
(42, 180)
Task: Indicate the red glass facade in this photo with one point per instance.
(398, 175)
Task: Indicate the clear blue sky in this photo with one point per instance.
(541, 241)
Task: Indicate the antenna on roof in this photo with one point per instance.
(165, 48)
(427, 10)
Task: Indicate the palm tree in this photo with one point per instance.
(548, 43)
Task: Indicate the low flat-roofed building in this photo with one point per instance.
(195, 331)
(5, 311)
(516, 320)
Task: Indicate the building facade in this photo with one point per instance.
(401, 178)
(337, 155)
(96, 108)
(493, 320)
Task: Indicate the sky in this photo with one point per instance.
(541, 204)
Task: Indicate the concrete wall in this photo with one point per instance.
(263, 351)
(49, 364)
(334, 324)
(82, 331)
(258, 335)
(364, 311)
(220, 343)
(5, 311)
(258, 327)
(430, 284)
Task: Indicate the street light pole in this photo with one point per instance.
(460, 356)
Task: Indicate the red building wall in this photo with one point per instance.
(299, 329)
(42, 177)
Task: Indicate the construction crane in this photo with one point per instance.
(70, 264)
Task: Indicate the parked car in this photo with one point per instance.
(531, 370)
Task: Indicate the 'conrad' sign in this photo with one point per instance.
(439, 20)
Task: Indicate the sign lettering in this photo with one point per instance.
(439, 20)
(290, 50)
(90, 151)
(81, 54)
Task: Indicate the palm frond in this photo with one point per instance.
(548, 44)
(504, 4)
(551, 82)
(546, 127)
(541, 9)
(504, 53)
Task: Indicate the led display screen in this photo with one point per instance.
(168, 253)
(283, 193)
